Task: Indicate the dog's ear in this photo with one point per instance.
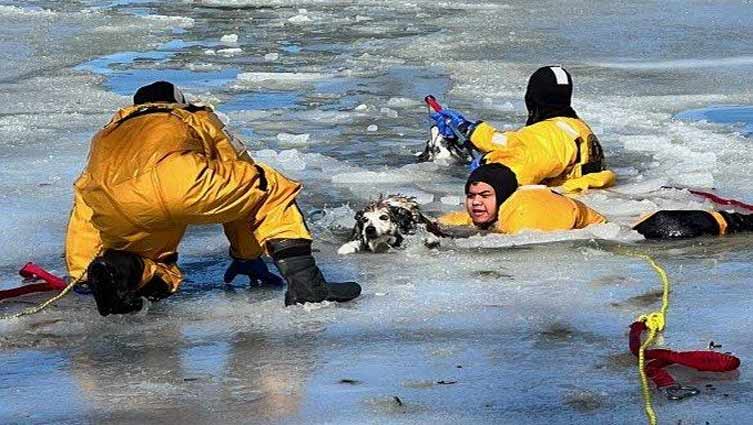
(403, 218)
(355, 234)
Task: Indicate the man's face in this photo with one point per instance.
(481, 203)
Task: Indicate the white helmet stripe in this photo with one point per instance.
(560, 75)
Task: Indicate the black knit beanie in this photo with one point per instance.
(159, 91)
(501, 178)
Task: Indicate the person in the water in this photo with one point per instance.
(494, 202)
(555, 147)
(161, 165)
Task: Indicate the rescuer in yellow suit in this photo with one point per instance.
(494, 202)
(554, 148)
(161, 165)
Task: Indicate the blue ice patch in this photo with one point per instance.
(741, 117)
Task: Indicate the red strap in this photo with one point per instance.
(657, 359)
(716, 198)
(50, 282)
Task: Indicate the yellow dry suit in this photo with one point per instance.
(533, 208)
(556, 151)
(156, 168)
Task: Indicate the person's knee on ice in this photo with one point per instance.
(306, 283)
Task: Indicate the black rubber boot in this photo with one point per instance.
(737, 222)
(678, 224)
(305, 281)
(113, 279)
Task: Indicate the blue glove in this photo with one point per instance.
(447, 119)
(475, 163)
(255, 269)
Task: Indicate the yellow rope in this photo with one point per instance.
(655, 323)
(40, 307)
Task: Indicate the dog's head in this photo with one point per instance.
(384, 222)
(440, 150)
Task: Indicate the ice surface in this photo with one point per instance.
(530, 327)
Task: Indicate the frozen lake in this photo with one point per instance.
(526, 329)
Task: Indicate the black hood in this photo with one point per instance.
(549, 93)
(501, 178)
(158, 91)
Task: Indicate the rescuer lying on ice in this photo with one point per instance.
(161, 165)
(554, 148)
(494, 202)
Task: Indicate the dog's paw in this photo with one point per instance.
(349, 248)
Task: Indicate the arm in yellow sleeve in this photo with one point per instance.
(455, 218)
(82, 240)
(598, 180)
(486, 138)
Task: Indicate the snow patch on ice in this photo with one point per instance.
(25, 12)
(293, 139)
(229, 38)
(179, 21)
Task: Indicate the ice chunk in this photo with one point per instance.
(18, 11)
(229, 38)
(420, 196)
(210, 52)
(451, 200)
(402, 102)
(338, 218)
(293, 139)
(361, 108)
(372, 128)
(389, 112)
(178, 21)
(299, 19)
(279, 80)
(270, 57)
(230, 51)
(608, 231)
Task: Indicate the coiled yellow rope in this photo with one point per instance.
(655, 322)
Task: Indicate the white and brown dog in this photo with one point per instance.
(384, 223)
(443, 151)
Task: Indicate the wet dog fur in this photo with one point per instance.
(384, 223)
(443, 151)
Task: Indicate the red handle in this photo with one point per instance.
(431, 101)
(31, 270)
